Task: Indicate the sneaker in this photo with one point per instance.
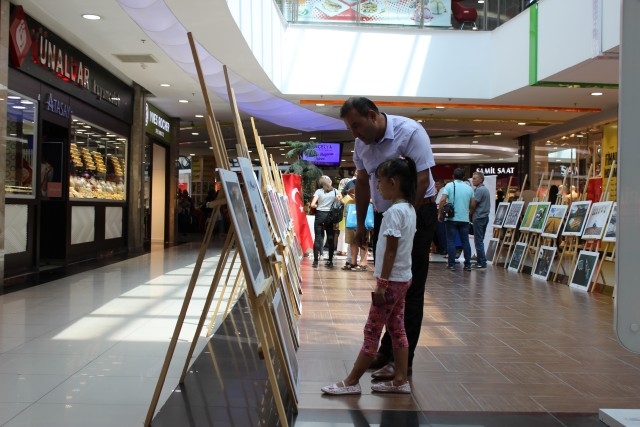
(328, 264)
(389, 387)
(451, 267)
(340, 388)
(315, 264)
(467, 268)
(476, 265)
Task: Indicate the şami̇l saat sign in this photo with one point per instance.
(39, 52)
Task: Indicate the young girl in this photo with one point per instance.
(322, 200)
(397, 181)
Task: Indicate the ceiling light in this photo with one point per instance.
(521, 123)
(474, 142)
(165, 85)
(91, 17)
(26, 102)
(13, 97)
(319, 105)
(183, 101)
(481, 1)
(439, 106)
(596, 93)
(313, 137)
(497, 133)
(19, 107)
(199, 116)
(192, 154)
(500, 158)
(579, 135)
(195, 133)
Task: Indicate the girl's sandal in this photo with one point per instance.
(348, 266)
(359, 268)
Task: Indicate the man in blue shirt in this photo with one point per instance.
(461, 195)
(480, 209)
(380, 137)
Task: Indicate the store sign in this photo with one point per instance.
(157, 123)
(58, 107)
(52, 54)
(492, 170)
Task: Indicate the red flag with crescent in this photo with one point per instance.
(293, 187)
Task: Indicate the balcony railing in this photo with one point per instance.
(403, 13)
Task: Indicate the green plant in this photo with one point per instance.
(308, 172)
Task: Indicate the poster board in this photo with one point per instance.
(517, 256)
(260, 213)
(597, 220)
(240, 218)
(527, 219)
(553, 223)
(501, 214)
(539, 217)
(543, 262)
(288, 347)
(610, 231)
(492, 248)
(513, 215)
(576, 218)
(583, 270)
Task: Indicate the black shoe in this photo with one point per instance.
(478, 266)
(451, 267)
(467, 268)
(315, 264)
(328, 264)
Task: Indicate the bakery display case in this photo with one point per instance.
(97, 164)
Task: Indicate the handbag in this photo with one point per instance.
(447, 210)
(368, 220)
(336, 211)
(351, 221)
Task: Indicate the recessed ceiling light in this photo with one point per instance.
(596, 93)
(313, 137)
(91, 17)
(319, 105)
(497, 133)
(521, 123)
(183, 101)
(474, 142)
(579, 135)
(192, 154)
(199, 116)
(439, 106)
(195, 133)
(165, 85)
(19, 107)
(500, 158)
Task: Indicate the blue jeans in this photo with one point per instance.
(479, 230)
(453, 228)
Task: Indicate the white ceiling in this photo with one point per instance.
(452, 130)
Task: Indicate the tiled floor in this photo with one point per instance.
(497, 349)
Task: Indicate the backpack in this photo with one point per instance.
(335, 212)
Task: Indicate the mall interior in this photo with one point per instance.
(120, 304)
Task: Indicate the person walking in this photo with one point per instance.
(460, 195)
(480, 209)
(322, 200)
(396, 182)
(379, 137)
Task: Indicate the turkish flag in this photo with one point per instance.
(293, 187)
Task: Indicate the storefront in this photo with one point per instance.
(68, 130)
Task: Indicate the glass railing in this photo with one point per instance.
(479, 15)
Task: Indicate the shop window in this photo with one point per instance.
(20, 166)
(97, 162)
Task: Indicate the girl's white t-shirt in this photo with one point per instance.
(398, 221)
(325, 199)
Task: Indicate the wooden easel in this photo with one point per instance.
(509, 238)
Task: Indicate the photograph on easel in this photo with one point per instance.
(257, 205)
(492, 248)
(286, 341)
(543, 263)
(576, 218)
(513, 215)
(553, 224)
(610, 231)
(517, 256)
(527, 219)
(597, 220)
(583, 270)
(539, 217)
(244, 235)
(501, 214)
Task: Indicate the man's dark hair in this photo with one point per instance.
(359, 103)
(458, 174)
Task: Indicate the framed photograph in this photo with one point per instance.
(610, 231)
(576, 218)
(513, 215)
(539, 217)
(597, 220)
(286, 342)
(527, 218)
(517, 256)
(277, 213)
(244, 235)
(492, 248)
(258, 206)
(501, 214)
(543, 262)
(583, 270)
(553, 223)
